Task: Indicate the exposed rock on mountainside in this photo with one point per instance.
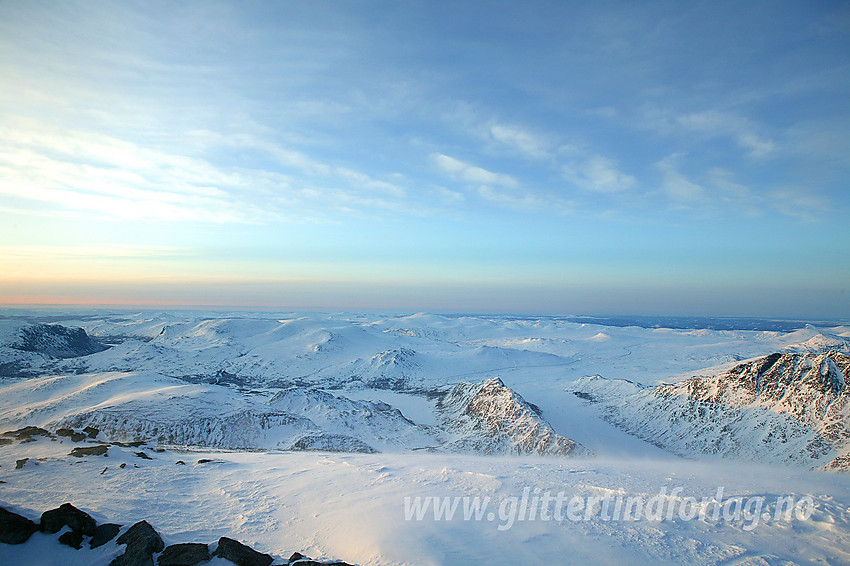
(238, 430)
(33, 349)
(56, 341)
(329, 442)
(783, 408)
(490, 418)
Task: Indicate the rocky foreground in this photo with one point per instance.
(143, 545)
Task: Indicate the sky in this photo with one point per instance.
(558, 157)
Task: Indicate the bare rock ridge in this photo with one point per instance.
(490, 418)
(57, 341)
(791, 408)
(34, 349)
(143, 545)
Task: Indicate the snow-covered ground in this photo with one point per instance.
(275, 389)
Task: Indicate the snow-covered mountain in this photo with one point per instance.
(28, 349)
(373, 423)
(366, 382)
(489, 418)
(787, 408)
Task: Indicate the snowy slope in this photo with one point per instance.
(377, 424)
(785, 408)
(352, 506)
(287, 410)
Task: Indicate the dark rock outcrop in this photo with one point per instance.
(141, 539)
(103, 534)
(185, 554)
(72, 434)
(27, 432)
(240, 554)
(299, 559)
(142, 542)
(67, 515)
(331, 442)
(57, 341)
(14, 528)
(73, 539)
(80, 451)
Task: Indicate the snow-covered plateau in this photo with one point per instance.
(327, 433)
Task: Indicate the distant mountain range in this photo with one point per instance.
(299, 384)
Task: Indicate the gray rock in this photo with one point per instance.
(27, 432)
(91, 432)
(240, 554)
(103, 534)
(67, 515)
(14, 528)
(21, 463)
(80, 451)
(142, 541)
(185, 554)
(72, 539)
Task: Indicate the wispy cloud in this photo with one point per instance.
(798, 203)
(468, 173)
(519, 140)
(718, 190)
(723, 124)
(92, 173)
(597, 173)
(500, 189)
(676, 185)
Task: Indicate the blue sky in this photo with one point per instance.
(605, 157)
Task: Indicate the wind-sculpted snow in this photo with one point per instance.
(374, 423)
(489, 418)
(783, 408)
